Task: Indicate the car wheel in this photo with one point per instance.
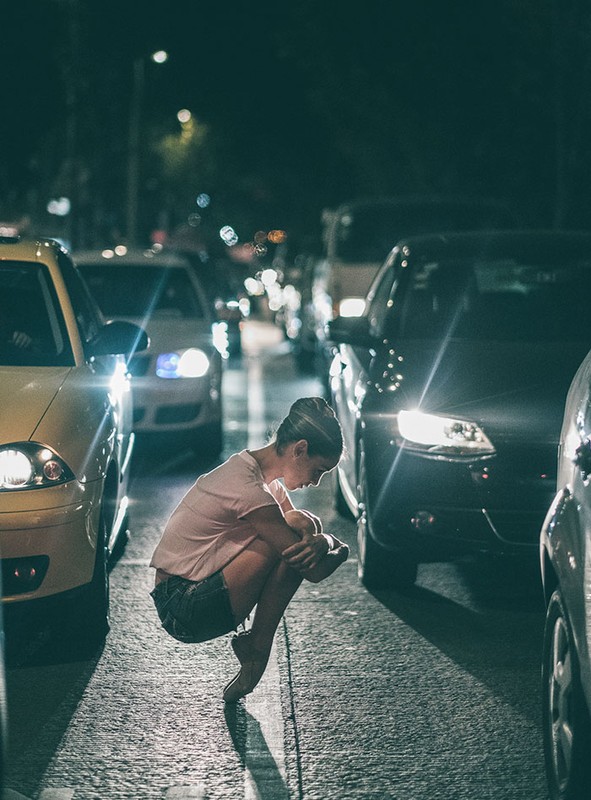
(121, 541)
(339, 500)
(95, 614)
(86, 619)
(377, 567)
(566, 723)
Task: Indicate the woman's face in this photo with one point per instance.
(302, 470)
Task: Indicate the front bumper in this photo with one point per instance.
(184, 404)
(48, 540)
(430, 505)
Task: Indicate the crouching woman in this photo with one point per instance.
(236, 541)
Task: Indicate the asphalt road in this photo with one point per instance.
(429, 695)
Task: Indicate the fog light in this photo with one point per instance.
(22, 575)
(422, 519)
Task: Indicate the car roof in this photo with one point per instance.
(13, 247)
(496, 243)
(132, 257)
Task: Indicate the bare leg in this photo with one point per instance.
(257, 577)
(279, 589)
(246, 576)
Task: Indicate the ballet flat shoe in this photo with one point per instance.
(244, 681)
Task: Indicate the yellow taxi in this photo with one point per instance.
(65, 436)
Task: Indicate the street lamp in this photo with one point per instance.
(133, 158)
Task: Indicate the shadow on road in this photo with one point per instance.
(253, 751)
(43, 676)
(486, 615)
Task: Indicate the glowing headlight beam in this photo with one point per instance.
(15, 469)
(438, 434)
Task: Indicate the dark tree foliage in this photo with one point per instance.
(301, 105)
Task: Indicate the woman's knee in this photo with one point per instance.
(300, 522)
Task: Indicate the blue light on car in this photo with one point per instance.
(167, 365)
(191, 363)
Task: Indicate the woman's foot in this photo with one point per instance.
(245, 650)
(253, 663)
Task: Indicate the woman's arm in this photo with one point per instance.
(292, 530)
(293, 537)
(287, 506)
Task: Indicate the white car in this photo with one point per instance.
(65, 436)
(565, 551)
(177, 385)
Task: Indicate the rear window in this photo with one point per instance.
(126, 290)
(32, 327)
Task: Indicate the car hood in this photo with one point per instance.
(72, 410)
(170, 333)
(25, 396)
(512, 388)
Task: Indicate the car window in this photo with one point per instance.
(32, 326)
(128, 290)
(500, 299)
(87, 313)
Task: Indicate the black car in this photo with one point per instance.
(451, 389)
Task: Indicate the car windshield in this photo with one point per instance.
(32, 328)
(495, 300)
(143, 291)
(368, 233)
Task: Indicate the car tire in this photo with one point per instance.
(566, 721)
(121, 541)
(95, 608)
(339, 500)
(378, 568)
(85, 622)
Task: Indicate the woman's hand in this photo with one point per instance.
(307, 553)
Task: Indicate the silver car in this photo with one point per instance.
(565, 551)
(177, 384)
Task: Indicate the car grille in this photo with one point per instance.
(169, 415)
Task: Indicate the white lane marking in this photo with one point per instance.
(186, 792)
(265, 774)
(256, 403)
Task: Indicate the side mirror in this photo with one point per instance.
(350, 330)
(119, 337)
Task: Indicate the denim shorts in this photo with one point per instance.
(194, 611)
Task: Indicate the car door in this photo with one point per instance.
(351, 371)
(114, 389)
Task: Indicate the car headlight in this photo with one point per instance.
(27, 465)
(190, 363)
(351, 307)
(435, 435)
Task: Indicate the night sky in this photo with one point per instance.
(303, 105)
